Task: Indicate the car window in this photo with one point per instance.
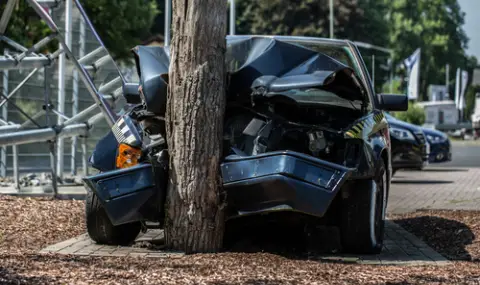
(340, 53)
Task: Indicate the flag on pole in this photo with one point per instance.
(461, 103)
(413, 67)
(457, 88)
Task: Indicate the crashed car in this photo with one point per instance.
(304, 135)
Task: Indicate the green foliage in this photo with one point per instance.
(354, 19)
(397, 87)
(158, 26)
(357, 20)
(436, 27)
(28, 106)
(433, 25)
(25, 26)
(121, 24)
(414, 115)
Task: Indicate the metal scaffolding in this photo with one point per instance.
(18, 57)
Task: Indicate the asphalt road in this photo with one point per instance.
(464, 154)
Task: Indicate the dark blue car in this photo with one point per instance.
(410, 147)
(305, 141)
(440, 146)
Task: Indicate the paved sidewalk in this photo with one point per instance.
(401, 248)
(446, 188)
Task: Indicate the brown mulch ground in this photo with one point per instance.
(27, 225)
(454, 234)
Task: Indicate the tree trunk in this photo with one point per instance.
(195, 112)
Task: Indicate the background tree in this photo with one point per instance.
(196, 102)
(158, 26)
(472, 64)
(436, 27)
(121, 24)
(356, 20)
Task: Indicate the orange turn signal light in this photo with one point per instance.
(127, 156)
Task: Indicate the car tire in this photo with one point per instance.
(100, 228)
(363, 216)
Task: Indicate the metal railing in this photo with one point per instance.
(79, 124)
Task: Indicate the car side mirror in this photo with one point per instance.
(131, 94)
(393, 102)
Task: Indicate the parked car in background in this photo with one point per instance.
(440, 146)
(458, 134)
(410, 148)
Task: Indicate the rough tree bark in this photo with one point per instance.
(195, 111)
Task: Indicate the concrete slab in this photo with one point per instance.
(401, 248)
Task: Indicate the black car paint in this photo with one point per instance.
(440, 146)
(408, 153)
(151, 70)
(367, 139)
(284, 178)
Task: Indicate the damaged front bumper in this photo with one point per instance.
(275, 181)
(282, 180)
(132, 194)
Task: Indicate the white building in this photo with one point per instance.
(440, 112)
(437, 93)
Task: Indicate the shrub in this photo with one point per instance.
(414, 115)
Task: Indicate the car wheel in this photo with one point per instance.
(363, 215)
(101, 230)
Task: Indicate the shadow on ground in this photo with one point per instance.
(411, 181)
(288, 239)
(447, 237)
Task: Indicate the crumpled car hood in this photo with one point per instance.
(271, 66)
(275, 66)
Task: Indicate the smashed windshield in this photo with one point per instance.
(340, 53)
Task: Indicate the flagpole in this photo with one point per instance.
(232, 17)
(373, 71)
(331, 18)
(391, 78)
(168, 22)
(457, 93)
(447, 79)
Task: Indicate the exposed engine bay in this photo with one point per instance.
(315, 131)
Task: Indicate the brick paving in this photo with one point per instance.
(445, 188)
(401, 248)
